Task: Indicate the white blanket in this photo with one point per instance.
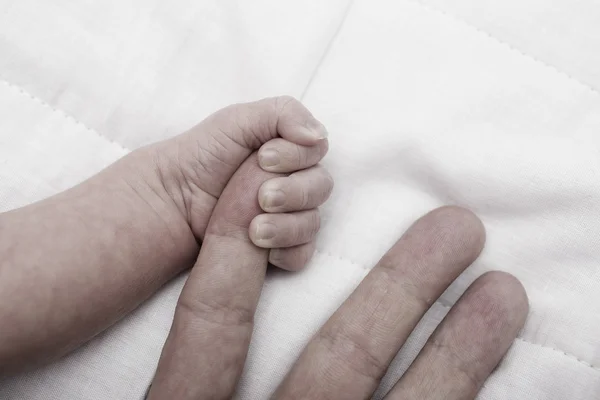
(489, 104)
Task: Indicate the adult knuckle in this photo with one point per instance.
(412, 293)
(222, 313)
(350, 352)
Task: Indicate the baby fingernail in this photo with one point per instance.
(317, 128)
(274, 198)
(265, 231)
(269, 158)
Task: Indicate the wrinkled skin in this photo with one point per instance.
(240, 190)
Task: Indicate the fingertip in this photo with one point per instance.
(283, 156)
(459, 227)
(324, 147)
(317, 129)
(312, 131)
(297, 124)
(268, 158)
(496, 307)
(280, 259)
(271, 231)
(262, 231)
(271, 197)
(292, 258)
(507, 293)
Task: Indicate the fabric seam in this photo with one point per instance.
(327, 50)
(442, 303)
(512, 47)
(60, 112)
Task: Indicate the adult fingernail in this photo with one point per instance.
(265, 231)
(274, 198)
(318, 129)
(268, 158)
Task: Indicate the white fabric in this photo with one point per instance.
(493, 105)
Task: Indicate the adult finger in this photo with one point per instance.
(285, 230)
(206, 348)
(279, 155)
(303, 190)
(469, 343)
(292, 258)
(350, 354)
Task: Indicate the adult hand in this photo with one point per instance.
(206, 349)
